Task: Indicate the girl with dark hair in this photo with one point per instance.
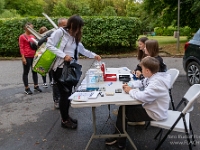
(27, 54)
(70, 47)
(141, 54)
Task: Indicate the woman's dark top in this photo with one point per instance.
(163, 66)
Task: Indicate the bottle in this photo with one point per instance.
(92, 80)
(103, 68)
(100, 74)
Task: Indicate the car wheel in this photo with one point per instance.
(193, 73)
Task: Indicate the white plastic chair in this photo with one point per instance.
(179, 121)
(174, 75)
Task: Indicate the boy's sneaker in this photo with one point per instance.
(115, 112)
(110, 141)
(37, 89)
(28, 91)
(136, 123)
(51, 83)
(122, 146)
(45, 85)
(121, 143)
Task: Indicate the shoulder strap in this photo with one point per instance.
(75, 52)
(26, 37)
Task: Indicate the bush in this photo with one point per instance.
(100, 34)
(169, 31)
(158, 31)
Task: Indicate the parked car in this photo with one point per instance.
(191, 59)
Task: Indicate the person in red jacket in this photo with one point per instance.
(27, 54)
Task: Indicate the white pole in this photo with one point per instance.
(178, 24)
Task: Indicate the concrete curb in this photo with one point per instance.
(162, 53)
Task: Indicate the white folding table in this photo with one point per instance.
(117, 99)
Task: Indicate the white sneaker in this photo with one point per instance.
(56, 104)
(136, 123)
(45, 85)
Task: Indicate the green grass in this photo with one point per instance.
(163, 40)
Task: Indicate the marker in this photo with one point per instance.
(109, 84)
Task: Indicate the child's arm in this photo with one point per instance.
(150, 93)
(137, 83)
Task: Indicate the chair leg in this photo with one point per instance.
(148, 123)
(159, 132)
(186, 132)
(193, 139)
(172, 101)
(169, 131)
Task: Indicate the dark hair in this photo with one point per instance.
(75, 23)
(43, 29)
(150, 63)
(152, 47)
(141, 54)
(26, 24)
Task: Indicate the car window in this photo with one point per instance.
(196, 38)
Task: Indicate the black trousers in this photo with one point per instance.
(64, 101)
(26, 69)
(44, 78)
(133, 113)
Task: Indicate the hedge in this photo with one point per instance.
(103, 35)
(169, 31)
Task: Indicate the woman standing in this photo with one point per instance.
(70, 42)
(27, 59)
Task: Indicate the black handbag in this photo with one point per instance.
(71, 74)
(32, 44)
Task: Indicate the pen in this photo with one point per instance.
(109, 83)
(91, 94)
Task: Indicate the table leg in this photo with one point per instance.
(94, 127)
(125, 134)
(124, 127)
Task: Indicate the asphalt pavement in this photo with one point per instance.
(30, 122)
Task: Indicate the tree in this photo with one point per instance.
(9, 13)
(168, 10)
(61, 10)
(120, 7)
(133, 10)
(49, 5)
(2, 4)
(80, 7)
(28, 8)
(109, 11)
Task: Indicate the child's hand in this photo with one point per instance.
(97, 57)
(124, 85)
(133, 72)
(127, 88)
